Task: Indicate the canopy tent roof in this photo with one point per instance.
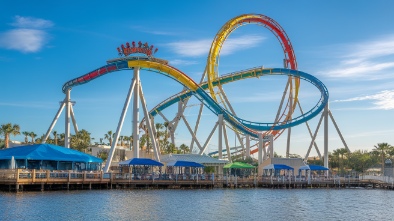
(201, 159)
(313, 167)
(278, 167)
(238, 165)
(47, 152)
(181, 163)
(141, 161)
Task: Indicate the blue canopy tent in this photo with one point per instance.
(313, 167)
(181, 163)
(141, 162)
(142, 167)
(309, 168)
(180, 167)
(276, 168)
(47, 156)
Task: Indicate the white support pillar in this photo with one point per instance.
(220, 146)
(266, 150)
(67, 120)
(196, 126)
(260, 152)
(136, 110)
(119, 128)
(326, 135)
(314, 137)
(288, 142)
(54, 121)
(150, 126)
(191, 131)
(73, 119)
(208, 139)
(271, 137)
(309, 130)
(290, 117)
(227, 144)
(338, 131)
(247, 145)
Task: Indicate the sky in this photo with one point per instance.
(348, 45)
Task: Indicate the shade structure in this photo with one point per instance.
(313, 167)
(140, 161)
(181, 163)
(238, 165)
(278, 167)
(46, 152)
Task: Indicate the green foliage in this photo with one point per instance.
(80, 141)
(103, 154)
(248, 160)
(209, 169)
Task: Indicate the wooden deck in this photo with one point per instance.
(43, 180)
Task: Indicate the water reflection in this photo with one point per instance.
(214, 204)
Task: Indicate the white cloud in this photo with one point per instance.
(30, 22)
(24, 40)
(370, 60)
(235, 44)
(191, 48)
(182, 62)
(201, 47)
(383, 100)
(28, 36)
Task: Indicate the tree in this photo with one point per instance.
(108, 136)
(341, 152)
(360, 161)
(32, 135)
(382, 149)
(55, 136)
(184, 148)
(80, 141)
(103, 154)
(7, 130)
(26, 134)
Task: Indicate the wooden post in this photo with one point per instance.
(34, 176)
(17, 175)
(48, 175)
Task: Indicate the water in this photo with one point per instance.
(213, 204)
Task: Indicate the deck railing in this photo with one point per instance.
(39, 176)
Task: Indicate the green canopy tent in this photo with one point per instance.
(238, 165)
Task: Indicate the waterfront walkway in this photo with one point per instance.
(42, 180)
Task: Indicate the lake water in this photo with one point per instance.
(212, 204)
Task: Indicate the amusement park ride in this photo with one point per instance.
(212, 96)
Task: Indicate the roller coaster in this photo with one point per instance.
(209, 92)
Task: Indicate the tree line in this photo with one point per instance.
(82, 139)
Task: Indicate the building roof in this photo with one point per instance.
(201, 159)
(46, 152)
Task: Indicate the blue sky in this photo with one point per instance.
(348, 45)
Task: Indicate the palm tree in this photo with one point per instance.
(55, 136)
(7, 129)
(341, 152)
(184, 148)
(108, 136)
(382, 149)
(26, 134)
(32, 135)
